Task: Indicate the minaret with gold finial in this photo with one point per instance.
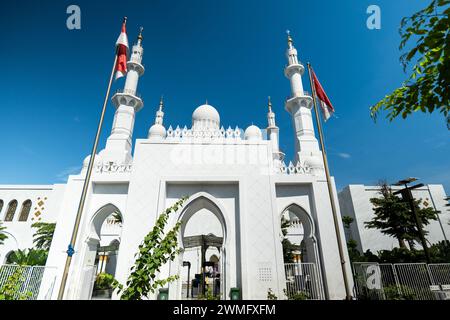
(299, 105)
(127, 102)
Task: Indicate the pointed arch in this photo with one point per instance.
(99, 217)
(195, 203)
(11, 211)
(1, 205)
(304, 217)
(25, 211)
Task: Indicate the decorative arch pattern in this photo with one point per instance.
(12, 206)
(25, 211)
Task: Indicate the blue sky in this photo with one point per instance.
(229, 52)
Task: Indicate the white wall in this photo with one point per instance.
(20, 233)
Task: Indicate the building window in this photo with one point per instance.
(1, 205)
(12, 206)
(25, 212)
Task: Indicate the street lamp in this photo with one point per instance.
(407, 196)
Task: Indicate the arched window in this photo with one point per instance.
(25, 212)
(12, 206)
(1, 205)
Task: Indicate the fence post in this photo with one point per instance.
(397, 281)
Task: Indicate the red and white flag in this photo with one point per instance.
(122, 52)
(325, 103)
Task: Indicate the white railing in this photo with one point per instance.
(299, 168)
(405, 281)
(303, 279)
(112, 167)
(209, 134)
(28, 279)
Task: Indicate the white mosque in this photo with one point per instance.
(238, 186)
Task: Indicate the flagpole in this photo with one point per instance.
(70, 249)
(330, 190)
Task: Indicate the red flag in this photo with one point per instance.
(325, 103)
(122, 51)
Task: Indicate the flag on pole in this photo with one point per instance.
(325, 103)
(122, 51)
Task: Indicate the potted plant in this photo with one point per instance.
(103, 286)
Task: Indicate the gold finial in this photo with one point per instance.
(140, 37)
(161, 103)
(206, 101)
(125, 20)
(290, 41)
(269, 104)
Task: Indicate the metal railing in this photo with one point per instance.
(27, 280)
(401, 281)
(303, 279)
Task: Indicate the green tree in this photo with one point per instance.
(42, 239)
(3, 235)
(394, 218)
(288, 247)
(347, 221)
(28, 257)
(158, 247)
(428, 86)
(352, 245)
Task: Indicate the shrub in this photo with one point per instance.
(11, 290)
(104, 281)
(299, 295)
(271, 295)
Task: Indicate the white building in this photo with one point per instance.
(238, 187)
(354, 201)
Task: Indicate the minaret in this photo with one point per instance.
(299, 106)
(160, 114)
(273, 134)
(127, 103)
(157, 131)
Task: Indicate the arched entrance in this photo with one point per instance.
(203, 255)
(300, 254)
(101, 250)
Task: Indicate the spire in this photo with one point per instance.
(160, 114)
(140, 37)
(291, 51)
(161, 103)
(270, 115)
(289, 39)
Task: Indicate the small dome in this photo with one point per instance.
(206, 116)
(157, 131)
(97, 161)
(253, 133)
(86, 160)
(314, 162)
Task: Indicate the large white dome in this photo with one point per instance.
(205, 117)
